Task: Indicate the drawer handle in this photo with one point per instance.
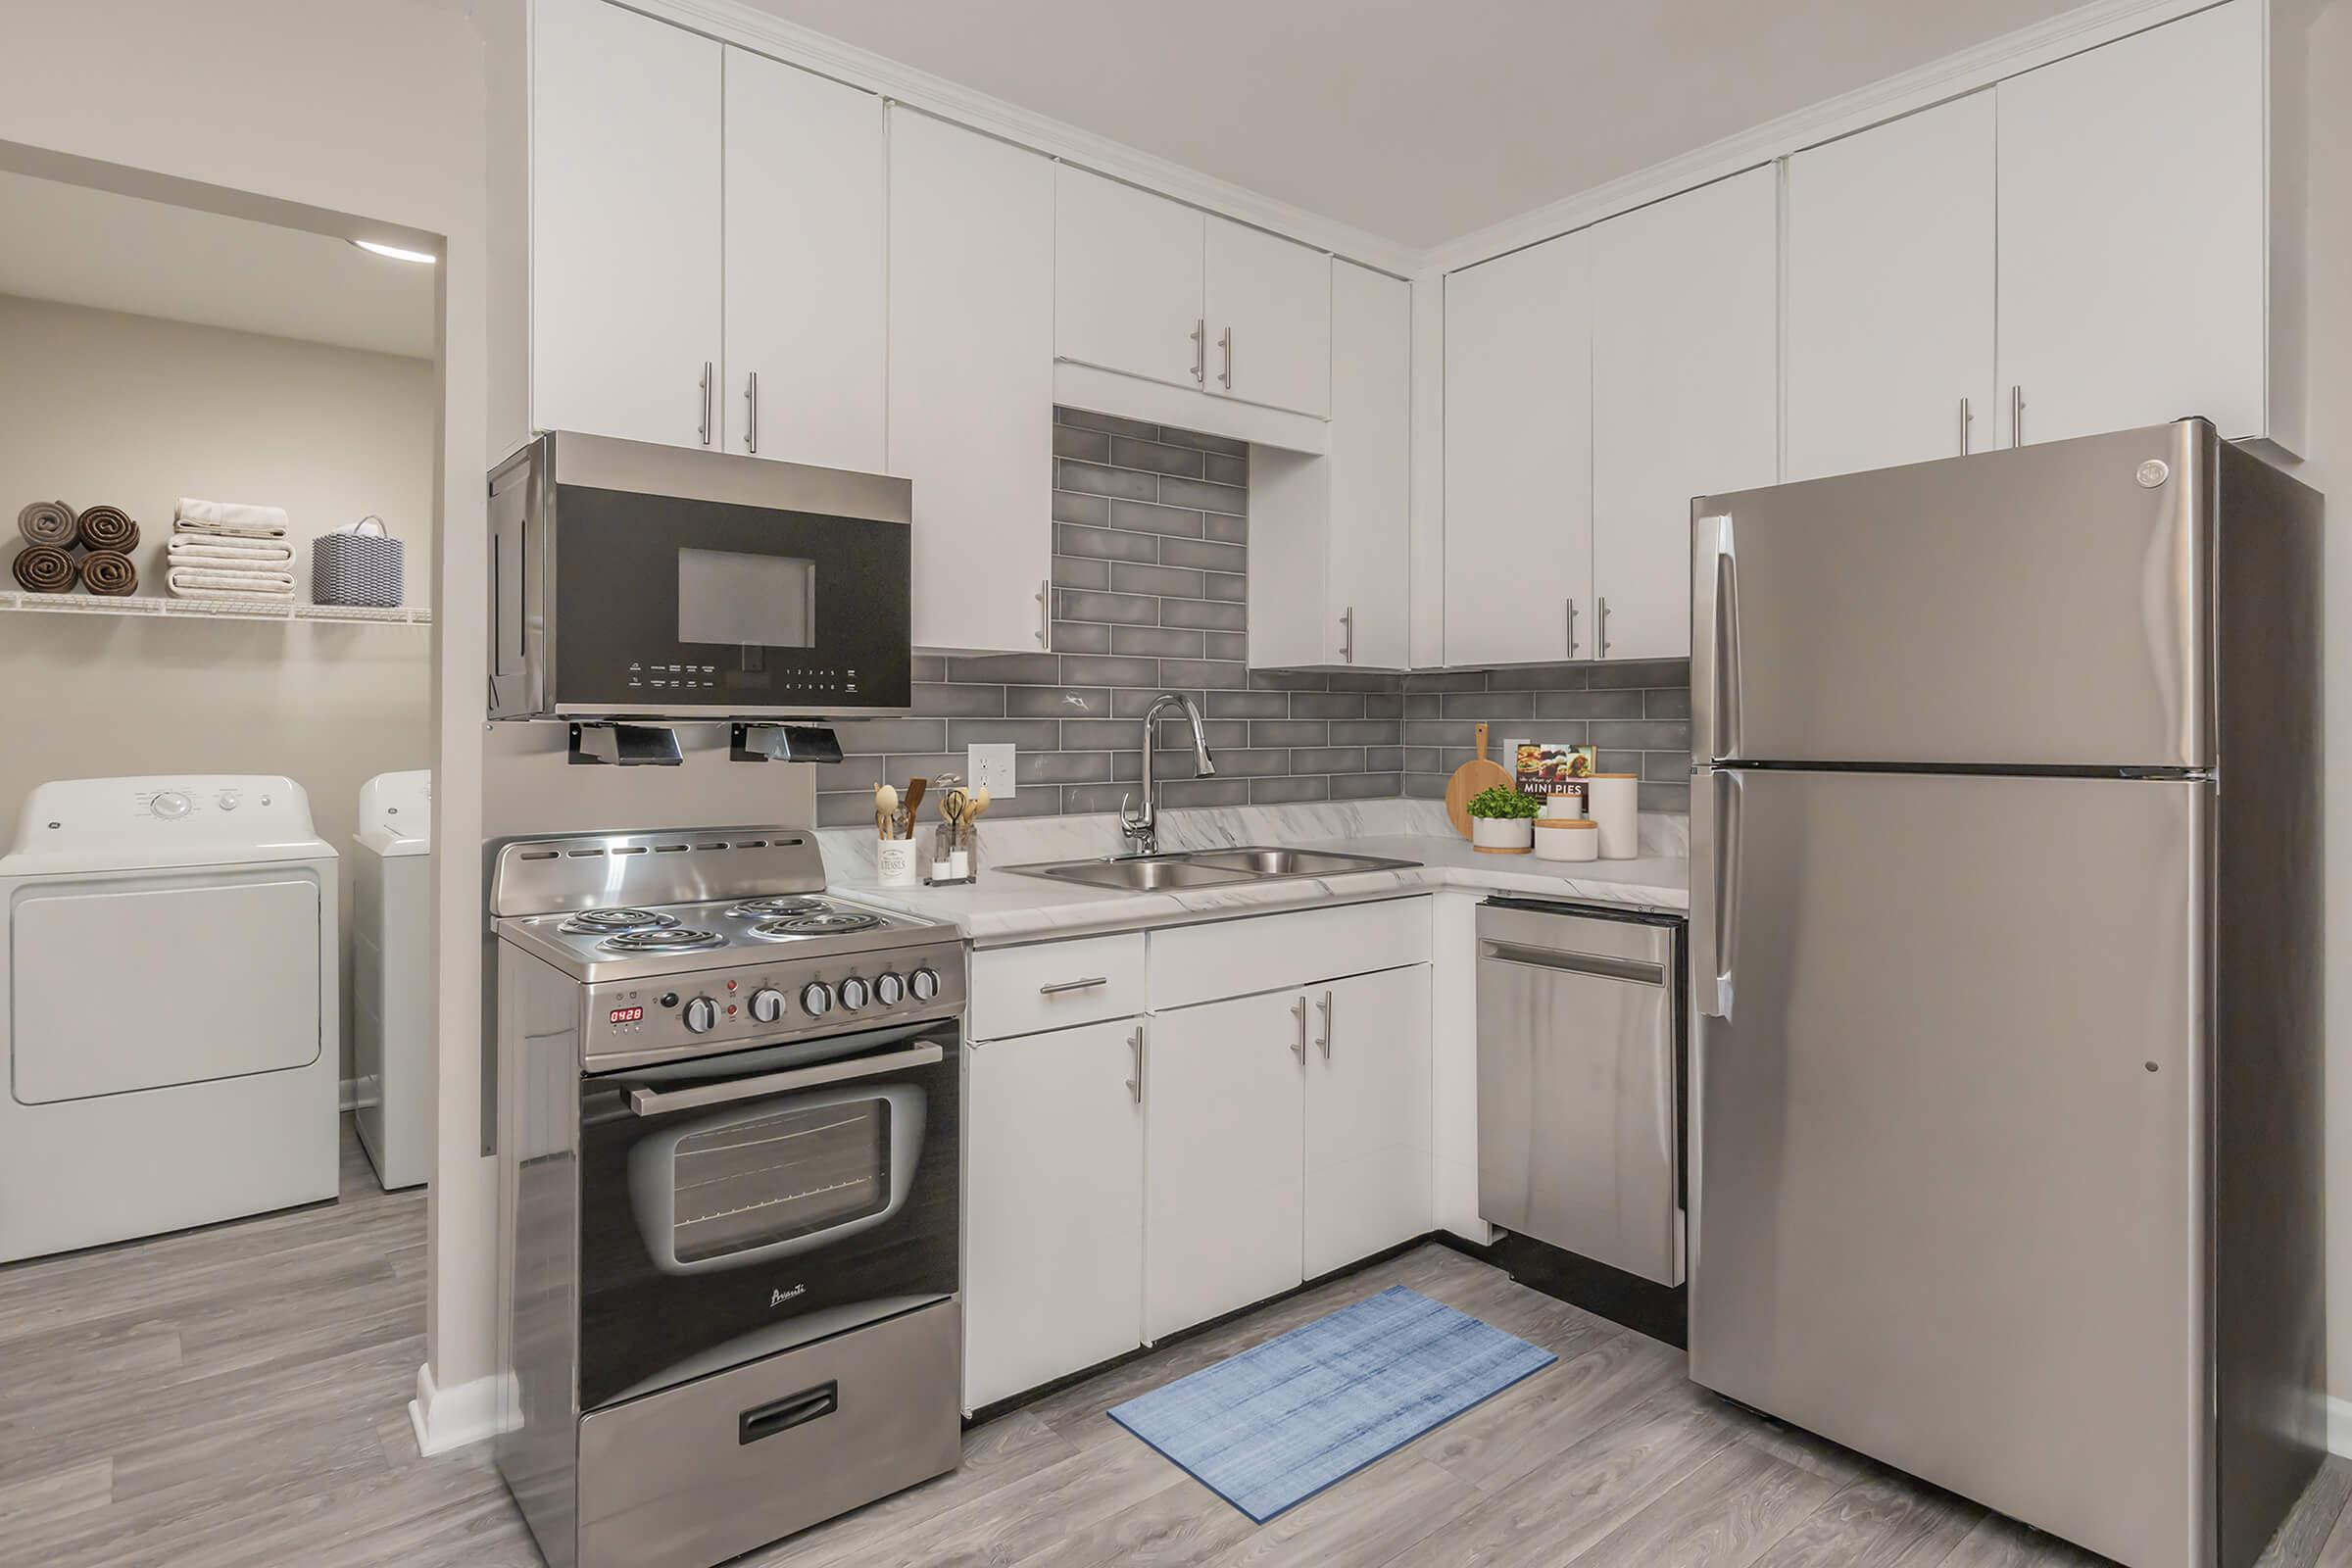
(1591, 963)
(793, 1410)
(1060, 986)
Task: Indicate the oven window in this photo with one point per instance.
(750, 601)
(752, 1184)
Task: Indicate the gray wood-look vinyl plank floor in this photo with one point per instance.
(235, 1398)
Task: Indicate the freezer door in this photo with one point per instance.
(2045, 606)
(1949, 1135)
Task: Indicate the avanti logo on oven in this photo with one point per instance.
(779, 1297)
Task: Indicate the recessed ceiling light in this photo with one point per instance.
(394, 252)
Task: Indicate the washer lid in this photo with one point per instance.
(396, 813)
(99, 824)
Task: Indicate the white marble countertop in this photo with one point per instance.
(1003, 909)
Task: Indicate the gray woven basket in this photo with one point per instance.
(357, 568)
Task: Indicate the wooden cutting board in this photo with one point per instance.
(1470, 779)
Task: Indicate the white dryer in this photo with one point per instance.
(392, 976)
(167, 1009)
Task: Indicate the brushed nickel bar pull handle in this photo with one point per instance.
(1227, 342)
(1059, 987)
(1044, 613)
(704, 428)
(1326, 1007)
(1600, 611)
(655, 1101)
(1200, 349)
(2017, 415)
(1966, 419)
(751, 425)
(1135, 1043)
(1298, 1011)
(1571, 628)
(1347, 647)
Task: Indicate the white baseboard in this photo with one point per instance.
(2339, 1425)
(449, 1418)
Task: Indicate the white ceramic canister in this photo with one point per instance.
(1567, 805)
(1615, 805)
(894, 862)
(1567, 838)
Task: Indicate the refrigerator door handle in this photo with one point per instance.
(1715, 862)
(1714, 641)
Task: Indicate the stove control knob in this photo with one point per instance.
(924, 983)
(817, 999)
(889, 989)
(701, 1014)
(855, 992)
(768, 1005)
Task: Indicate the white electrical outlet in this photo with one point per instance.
(990, 767)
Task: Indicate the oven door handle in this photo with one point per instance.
(655, 1101)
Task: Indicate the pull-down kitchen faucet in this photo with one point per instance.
(1142, 828)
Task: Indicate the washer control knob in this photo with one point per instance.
(924, 983)
(229, 801)
(702, 1014)
(768, 1005)
(889, 989)
(170, 805)
(817, 999)
(855, 992)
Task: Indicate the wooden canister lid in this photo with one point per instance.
(1565, 821)
(1612, 776)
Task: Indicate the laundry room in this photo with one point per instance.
(218, 439)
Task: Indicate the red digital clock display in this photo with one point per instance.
(626, 1015)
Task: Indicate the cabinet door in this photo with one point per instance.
(1126, 278)
(1367, 1116)
(1890, 274)
(972, 379)
(1369, 554)
(1053, 1206)
(1268, 305)
(625, 227)
(1221, 1157)
(1685, 394)
(1519, 457)
(807, 267)
(2132, 232)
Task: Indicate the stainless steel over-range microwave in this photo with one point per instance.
(631, 581)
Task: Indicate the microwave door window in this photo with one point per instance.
(746, 600)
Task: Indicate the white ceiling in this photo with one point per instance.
(119, 252)
(1419, 120)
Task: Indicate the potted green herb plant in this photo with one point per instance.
(1503, 821)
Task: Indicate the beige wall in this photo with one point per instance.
(97, 406)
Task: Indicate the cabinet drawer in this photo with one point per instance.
(1238, 958)
(1018, 990)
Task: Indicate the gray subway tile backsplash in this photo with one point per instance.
(1151, 573)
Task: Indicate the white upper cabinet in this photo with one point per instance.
(972, 379)
(805, 267)
(1685, 400)
(1519, 457)
(626, 225)
(1335, 531)
(1890, 293)
(1127, 280)
(1268, 310)
(2133, 233)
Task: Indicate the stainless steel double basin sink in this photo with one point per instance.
(1206, 869)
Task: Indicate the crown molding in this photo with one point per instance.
(736, 23)
(1953, 75)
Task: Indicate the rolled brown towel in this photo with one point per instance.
(108, 528)
(43, 570)
(109, 574)
(48, 522)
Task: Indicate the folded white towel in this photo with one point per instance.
(230, 518)
(199, 582)
(198, 549)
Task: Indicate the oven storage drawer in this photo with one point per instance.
(710, 1470)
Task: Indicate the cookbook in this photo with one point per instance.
(1546, 769)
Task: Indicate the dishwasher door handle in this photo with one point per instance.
(1563, 962)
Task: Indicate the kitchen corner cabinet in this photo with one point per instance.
(1519, 457)
(972, 379)
(1053, 1273)
(1337, 529)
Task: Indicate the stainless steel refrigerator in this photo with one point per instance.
(2004, 936)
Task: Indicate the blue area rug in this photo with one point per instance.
(1269, 1428)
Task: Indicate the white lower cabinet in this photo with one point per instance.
(1054, 1195)
(1367, 1116)
(1222, 1181)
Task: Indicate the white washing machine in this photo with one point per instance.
(392, 975)
(167, 1009)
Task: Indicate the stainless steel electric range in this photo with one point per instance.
(728, 1238)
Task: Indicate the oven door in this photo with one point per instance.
(738, 1205)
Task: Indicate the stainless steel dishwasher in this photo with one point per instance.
(1580, 1109)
